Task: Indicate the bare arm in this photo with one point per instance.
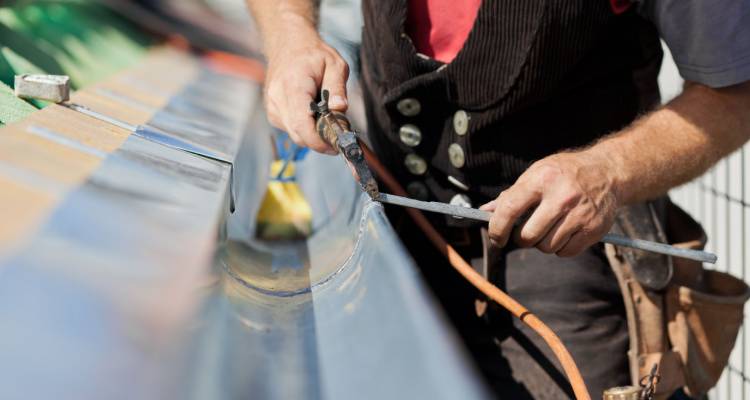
(299, 65)
(575, 194)
(679, 142)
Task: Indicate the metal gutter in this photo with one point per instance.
(142, 285)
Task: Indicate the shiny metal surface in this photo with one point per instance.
(409, 107)
(460, 207)
(417, 190)
(456, 155)
(415, 164)
(661, 248)
(461, 122)
(142, 285)
(410, 135)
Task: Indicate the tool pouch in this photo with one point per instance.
(680, 316)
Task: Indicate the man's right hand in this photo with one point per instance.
(299, 65)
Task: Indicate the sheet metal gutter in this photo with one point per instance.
(141, 284)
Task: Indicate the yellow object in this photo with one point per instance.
(284, 213)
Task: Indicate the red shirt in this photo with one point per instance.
(439, 28)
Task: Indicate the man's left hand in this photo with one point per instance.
(570, 199)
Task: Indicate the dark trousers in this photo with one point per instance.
(577, 297)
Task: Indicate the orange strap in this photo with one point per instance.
(490, 290)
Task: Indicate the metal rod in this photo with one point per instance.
(434, 206)
(479, 215)
(99, 116)
(660, 248)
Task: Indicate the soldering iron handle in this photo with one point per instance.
(329, 124)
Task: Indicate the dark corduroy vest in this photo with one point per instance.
(534, 77)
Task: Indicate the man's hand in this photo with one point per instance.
(574, 195)
(300, 64)
(571, 200)
(296, 73)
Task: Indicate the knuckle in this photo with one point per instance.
(569, 198)
(548, 174)
(590, 230)
(507, 207)
(345, 67)
(333, 54)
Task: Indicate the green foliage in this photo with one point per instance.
(82, 39)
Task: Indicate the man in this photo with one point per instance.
(544, 112)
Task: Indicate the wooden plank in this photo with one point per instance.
(22, 209)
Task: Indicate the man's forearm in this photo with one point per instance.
(676, 143)
(574, 195)
(300, 65)
(280, 18)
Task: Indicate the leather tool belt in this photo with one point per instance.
(682, 317)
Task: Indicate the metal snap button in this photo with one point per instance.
(461, 122)
(456, 155)
(415, 164)
(460, 200)
(410, 135)
(418, 190)
(409, 107)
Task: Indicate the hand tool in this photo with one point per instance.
(333, 127)
(480, 215)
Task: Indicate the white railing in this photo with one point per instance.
(720, 200)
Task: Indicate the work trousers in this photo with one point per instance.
(577, 297)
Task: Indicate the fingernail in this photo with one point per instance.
(338, 101)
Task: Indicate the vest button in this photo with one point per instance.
(409, 107)
(415, 164)
(460, 200)
(410, 135)
(461, 122)
(418, 190)
(456, 155)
